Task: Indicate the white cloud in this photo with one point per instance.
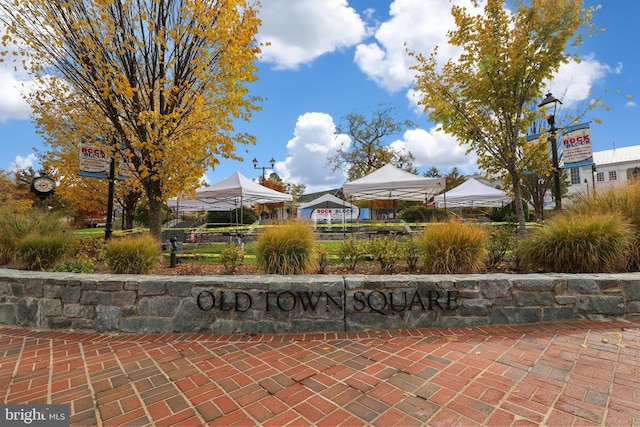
(14, 83)
(618, 69)
(573, 82)
(12, 104)
(435, 148)
(20, 163)
(313, 143)
(417, 25)
(300, 31)
(630, 104)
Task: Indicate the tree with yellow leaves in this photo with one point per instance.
(482, 96)
(157, 82)
(14, 196)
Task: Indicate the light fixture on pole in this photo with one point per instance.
(255, 166)
(291, 189)
(551, 101)
(587, 184)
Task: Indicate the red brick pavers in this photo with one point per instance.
(553, 374)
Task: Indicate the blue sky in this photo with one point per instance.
(332, 57)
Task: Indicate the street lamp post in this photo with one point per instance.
(587, 184)
(108, 228)
(551, 119)
(291, 189)
(255, 166)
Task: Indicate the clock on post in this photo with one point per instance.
(43, 186)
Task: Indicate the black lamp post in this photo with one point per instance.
(255, 166)
(108, 228)
(551, 119)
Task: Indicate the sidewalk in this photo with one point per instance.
(562, 374)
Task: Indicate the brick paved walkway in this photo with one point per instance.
(562, 374)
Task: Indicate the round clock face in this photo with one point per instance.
(43, 185)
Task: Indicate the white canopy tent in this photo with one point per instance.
(327, 201)
(240, 190)
(391, 183)
(472, 193)
(327, 206)
(233, 192)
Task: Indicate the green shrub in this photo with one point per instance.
(286, 248)
(622, 199)
(82, 264)
(232, 257)
(421, 213)
(93, 247)
(42, 251)
(351, 252)
(242, 215)
(452, 247)
(502, 239)
(14, 226)
(86, 250)
(417, 213)
(508, 213)
(322, 257)
(385, 251)
(132, 255)
(588, 243)
(411, 254)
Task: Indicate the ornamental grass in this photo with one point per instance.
(580, 243)
(625, 200)
(453, 247)
(132, 255)
(15, 226)
(287, 248)
(43, 251)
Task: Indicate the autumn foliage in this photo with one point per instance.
(483, 96)
(158, 84)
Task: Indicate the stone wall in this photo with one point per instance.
(271, 303)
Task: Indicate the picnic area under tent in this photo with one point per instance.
(186, 205)
(392, 183)
(472, 193)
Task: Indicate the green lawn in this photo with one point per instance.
(210, 252)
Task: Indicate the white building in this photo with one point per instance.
(612, 168)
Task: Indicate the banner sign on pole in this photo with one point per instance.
(94, 163)
(576, 146)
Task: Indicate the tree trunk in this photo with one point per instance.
(154, 195)
(517, 199)
(130, 202)
(128, 220)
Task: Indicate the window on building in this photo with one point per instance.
(600, 177)
(575, 176)
(613, 176)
